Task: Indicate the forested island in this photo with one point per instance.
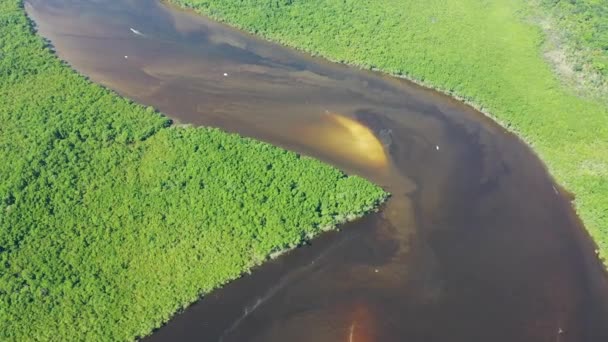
(494, 55)
(112, 219)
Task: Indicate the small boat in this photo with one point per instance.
(136, 32)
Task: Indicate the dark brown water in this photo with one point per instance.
(476, 243)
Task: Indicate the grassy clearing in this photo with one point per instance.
(111, 221)
(576, 42)
(584, 25)
(485, 52)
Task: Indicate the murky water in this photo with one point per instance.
(476, 243)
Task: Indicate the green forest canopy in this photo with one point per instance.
(585, 25)
(111, 220)
(485, 52)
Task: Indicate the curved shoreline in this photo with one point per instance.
(95, 212)
(473, 144)
(475, 104)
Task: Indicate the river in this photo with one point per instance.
(477, 243)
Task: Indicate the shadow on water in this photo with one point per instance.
(476, 243)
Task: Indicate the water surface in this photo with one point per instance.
(475, 244)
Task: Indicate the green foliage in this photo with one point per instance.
(485, 52)
(111, 221)
(585, 23)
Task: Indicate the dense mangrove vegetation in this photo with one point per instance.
(576, 42)
(487, 53)
(111, 220)
(585, 26)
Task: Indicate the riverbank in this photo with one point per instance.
(111, 219)
(486, 54)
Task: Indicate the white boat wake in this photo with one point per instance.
(283, 282)
(136, 32)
